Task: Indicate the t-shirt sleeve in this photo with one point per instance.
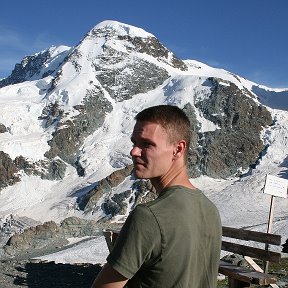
(139, 243)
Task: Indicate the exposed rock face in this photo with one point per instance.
(90, 201)
(12, 224)
(141, 191)
(230, 108)
(144, 76)
(133, 75)
(225, 153)
(8, 171)
(3, 128)
(29, 66)
(116, 204)
(194, 156)
(149, 45)
(70, 134)
(52, 113)
(53, 169)
(48, 235)
(34, 237)
(34, 67)
(153, 47)
(76, 227)
(237, 144)
(47, 169)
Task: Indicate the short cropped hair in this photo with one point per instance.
(174, 121)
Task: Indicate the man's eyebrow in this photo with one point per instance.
(143, 139)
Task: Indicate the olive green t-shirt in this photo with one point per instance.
(173, 241)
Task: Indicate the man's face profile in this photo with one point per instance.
(152, 152)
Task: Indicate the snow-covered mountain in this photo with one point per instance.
(66, 116)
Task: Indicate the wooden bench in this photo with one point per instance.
(244, 277)
(238, 277)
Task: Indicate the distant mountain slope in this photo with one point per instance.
(66, 116)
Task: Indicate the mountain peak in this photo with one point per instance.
(37, 66)
(121, 29)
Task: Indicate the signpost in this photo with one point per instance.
(275, 186)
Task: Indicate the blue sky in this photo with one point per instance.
(247, 37)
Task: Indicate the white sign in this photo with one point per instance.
(276, 186)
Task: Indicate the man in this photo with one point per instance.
(173, 241)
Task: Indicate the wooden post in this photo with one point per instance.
(108, 238)
(269, 230)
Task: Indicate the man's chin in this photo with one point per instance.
(138, 174)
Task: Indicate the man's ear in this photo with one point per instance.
(179, 150)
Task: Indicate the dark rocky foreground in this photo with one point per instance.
(30, 274)
(26, 273)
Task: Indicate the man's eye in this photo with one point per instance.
(146, 144)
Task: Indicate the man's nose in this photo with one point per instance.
(135, 151)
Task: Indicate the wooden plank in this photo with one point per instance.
(242, 234)
(251, 251)
(253, 264)
(245, 275)
(249, 235)
(256, 267)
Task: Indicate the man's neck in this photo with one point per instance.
(172, 178)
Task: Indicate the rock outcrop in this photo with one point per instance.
(8, 171)
(100, 198)
(90, 201)
(69, 135)
(33, 67)
(47, 169)
(3, 128)
(47, 237)
(236, 144)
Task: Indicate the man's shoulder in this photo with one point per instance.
(141, 211)
(141, 219)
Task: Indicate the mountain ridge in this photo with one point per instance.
(67, 127)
